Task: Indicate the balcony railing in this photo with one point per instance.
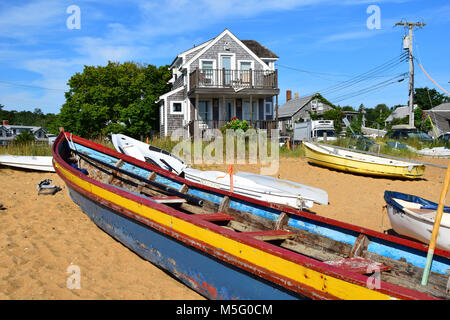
(236, 79)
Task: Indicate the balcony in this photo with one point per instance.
(248, 81)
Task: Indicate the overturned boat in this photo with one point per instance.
(257, 186)
(229, 246)
(39, 163)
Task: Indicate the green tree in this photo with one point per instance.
(334, 114)
(118, 98)
(429, 98)
(377, 115)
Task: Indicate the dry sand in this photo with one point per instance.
(41, 236)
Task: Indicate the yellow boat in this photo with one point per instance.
(355, 162)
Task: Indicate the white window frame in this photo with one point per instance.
(176, 112)
(252, 67)
(214, 68)
(233, 65)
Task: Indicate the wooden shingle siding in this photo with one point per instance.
(219, 47)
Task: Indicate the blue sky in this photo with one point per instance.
(329, 39)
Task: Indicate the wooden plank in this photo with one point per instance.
(184, 188)
(171, 199)
(115, 174)
(281, 221)
(267, 235)
(359, 265)
(361, 244)
(214, 216)
(224, 204)
(309, 251)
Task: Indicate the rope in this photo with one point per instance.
(432, 79)
(230, 172)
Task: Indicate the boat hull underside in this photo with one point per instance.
(209, 276)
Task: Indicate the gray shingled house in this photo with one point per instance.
(217, 80)
(299, 108)
(440, 116)
(9, 132)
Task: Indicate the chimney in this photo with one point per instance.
(5, 122)
(288, 95)
(296, 95)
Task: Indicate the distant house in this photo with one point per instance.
(398, 113)
(299, 108)
(9, 132)
(440, 116)
(222, 78)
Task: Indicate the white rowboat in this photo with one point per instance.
(257, 186)
(413, 217)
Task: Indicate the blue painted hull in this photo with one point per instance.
(209, 276)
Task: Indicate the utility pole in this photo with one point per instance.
(410, 26)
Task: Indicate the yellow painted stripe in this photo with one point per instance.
(286, 268)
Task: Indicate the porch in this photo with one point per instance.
(235, 80)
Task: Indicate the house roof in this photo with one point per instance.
(292, 106)
(441, 107)
(398, 113)
(260, 50)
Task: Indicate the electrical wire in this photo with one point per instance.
(370, 88)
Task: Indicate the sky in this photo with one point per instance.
(321, 43)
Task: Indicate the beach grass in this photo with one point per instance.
(27, 149)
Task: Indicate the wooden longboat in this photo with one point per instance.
(228, 246)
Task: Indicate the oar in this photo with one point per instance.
(437, 223)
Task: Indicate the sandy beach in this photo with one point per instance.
(43, 235)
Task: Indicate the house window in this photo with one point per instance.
(244, 67)
(176, 107)
(204, 110)
(207, 73)
(246, 107)
(268, 107)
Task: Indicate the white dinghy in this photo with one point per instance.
(252, 185)
(41, 163)
(147, 153)
(413, 217)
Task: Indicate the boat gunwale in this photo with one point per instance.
(294, 257)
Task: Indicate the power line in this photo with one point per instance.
(368, 75)
(370, 88)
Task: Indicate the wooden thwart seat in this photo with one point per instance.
(214, 216)
(270, 235)
(359, 265)
(172, 199)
